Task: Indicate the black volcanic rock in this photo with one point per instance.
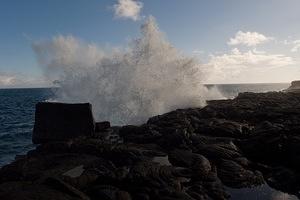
(60, 121)
(194, 153)
(196, 162)
(253, 108)
(31, 191)
(101, 126)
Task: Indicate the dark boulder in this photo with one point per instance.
(102, 126)
(60, 121)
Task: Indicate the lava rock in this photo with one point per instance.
(188, 153)
(102, 126)
(107, 192)
(198, 163)
(234, 175)
(30, 191)
(60, 121)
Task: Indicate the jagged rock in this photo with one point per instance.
(222, 128)
(267, 127)
(151, 174)
(254, 108)
(175, 120)
(143, 134)
(219, 151)
(59, 121)
(154, 180)
(198, 163)
(234, 175)
(198, 140)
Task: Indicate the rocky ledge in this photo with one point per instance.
(295, 87)
(188, 154)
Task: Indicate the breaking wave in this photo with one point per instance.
(125, 86)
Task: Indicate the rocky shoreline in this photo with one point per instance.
(188, 154)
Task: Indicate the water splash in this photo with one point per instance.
(147, 78)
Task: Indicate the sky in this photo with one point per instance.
(241, 41)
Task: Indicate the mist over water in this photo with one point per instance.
(129, 85)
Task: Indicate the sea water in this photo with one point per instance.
(17, 108)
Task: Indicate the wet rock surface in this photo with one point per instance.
(249, 141)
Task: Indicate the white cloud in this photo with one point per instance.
(293, 44)
(15, 80)
(198, 52)
(128, 9)
(248, 39)
(6, 80)
(296, 46)
(237, 63)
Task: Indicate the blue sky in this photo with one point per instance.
(201, 28)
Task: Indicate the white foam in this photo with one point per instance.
(125, 86)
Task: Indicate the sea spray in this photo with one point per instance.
(125, 86)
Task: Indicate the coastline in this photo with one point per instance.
(249, 141)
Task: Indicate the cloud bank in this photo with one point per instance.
(248, 64)
(249, 39)
(128, 9)
(236, 62)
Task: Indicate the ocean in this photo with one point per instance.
(17, 107)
